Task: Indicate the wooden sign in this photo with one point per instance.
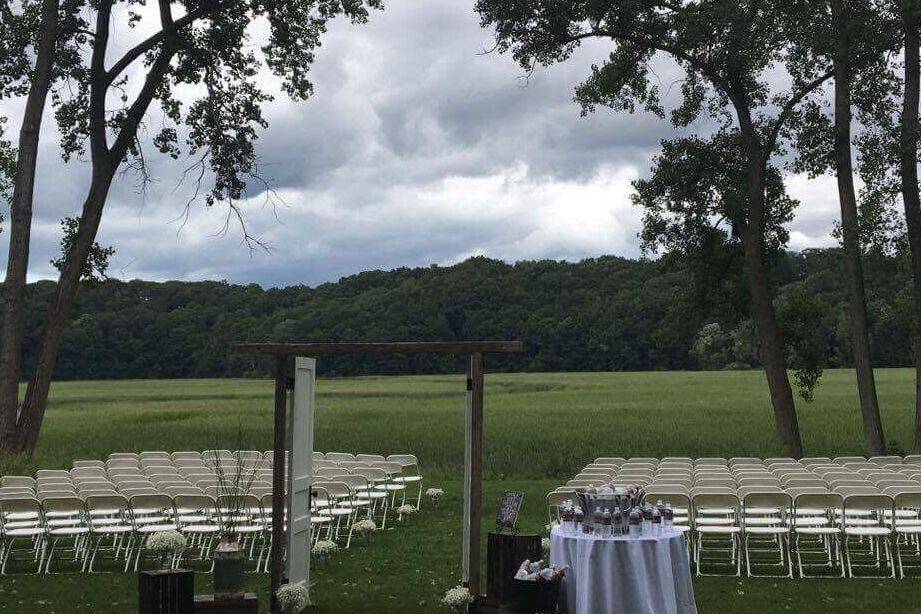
(507, 517)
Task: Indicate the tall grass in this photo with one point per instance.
(543, 425)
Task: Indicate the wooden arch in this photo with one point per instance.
(473, 453)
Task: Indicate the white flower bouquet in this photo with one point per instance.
(545, 544)
(405, 510)
(457, 598)
(166, 545)
(324, 548)
(365, 528)
(434, 494)
(166, 542)
(292, 597)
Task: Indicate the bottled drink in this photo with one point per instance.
(607, 520)
(598, 522)
(578, 518)
(636, 520)
(566, 517)
(656, 521)
(647, 518)
(617, 523)
(669, 516)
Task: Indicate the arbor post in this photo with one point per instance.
(473, 478)
(278, 480)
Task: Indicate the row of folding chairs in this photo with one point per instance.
(740, 475)
(743, 460)
(852, 532)
(119, 525)
(402, 470)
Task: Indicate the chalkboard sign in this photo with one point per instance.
(507, 517)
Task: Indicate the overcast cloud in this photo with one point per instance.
(416, 149)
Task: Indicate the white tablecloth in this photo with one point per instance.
(648, 574)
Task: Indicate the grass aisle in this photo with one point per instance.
(540, 428)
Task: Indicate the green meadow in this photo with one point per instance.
(540, 429)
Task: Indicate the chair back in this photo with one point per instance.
(19, 481)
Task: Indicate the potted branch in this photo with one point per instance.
(235, 477)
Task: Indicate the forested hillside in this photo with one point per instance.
(600, 314)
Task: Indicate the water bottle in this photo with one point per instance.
(669, 517)
(647, 519)
(607, 520)
(636, 522)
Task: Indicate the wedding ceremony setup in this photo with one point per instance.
(468, 307)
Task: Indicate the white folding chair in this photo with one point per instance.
(816, 531)
(717, 525)
(875, 535)
(765, 528)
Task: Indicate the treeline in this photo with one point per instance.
(600, 314)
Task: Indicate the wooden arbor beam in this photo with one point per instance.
(473, 478)
(401, 347)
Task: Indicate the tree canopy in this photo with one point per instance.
(595, 315)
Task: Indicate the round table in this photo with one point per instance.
(647, 574)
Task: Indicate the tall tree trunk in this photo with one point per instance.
(771, 340)
(910, 198)
(36, 399)
(105, 163)
(21, 227)
(771, 346)
(866, 383)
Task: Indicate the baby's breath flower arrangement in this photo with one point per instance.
(292, 597)
(166, 545)
(457, 598)
(406, 510)
(434, 494)
(365, 528)
(324, 548)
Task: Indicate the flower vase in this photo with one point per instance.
(228, 570)
(165, 561)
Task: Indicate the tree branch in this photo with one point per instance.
(155, 39)
(98, 83)
(788, 109)
(706, 68)
(138, 108)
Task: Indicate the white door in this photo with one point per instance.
(300, 470)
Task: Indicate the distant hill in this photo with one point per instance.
(600, 314)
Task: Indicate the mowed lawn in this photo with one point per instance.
(540, 429)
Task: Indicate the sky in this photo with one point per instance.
(418, 147)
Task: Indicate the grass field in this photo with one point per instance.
(540, 428)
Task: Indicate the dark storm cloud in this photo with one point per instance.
(416, 148)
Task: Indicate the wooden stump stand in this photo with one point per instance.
(168, 591)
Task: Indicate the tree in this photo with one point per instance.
(34, 30)
(726, 49)
(908, 161)
(203, 46)
(848, 36)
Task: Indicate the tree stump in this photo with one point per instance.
(504, 554)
